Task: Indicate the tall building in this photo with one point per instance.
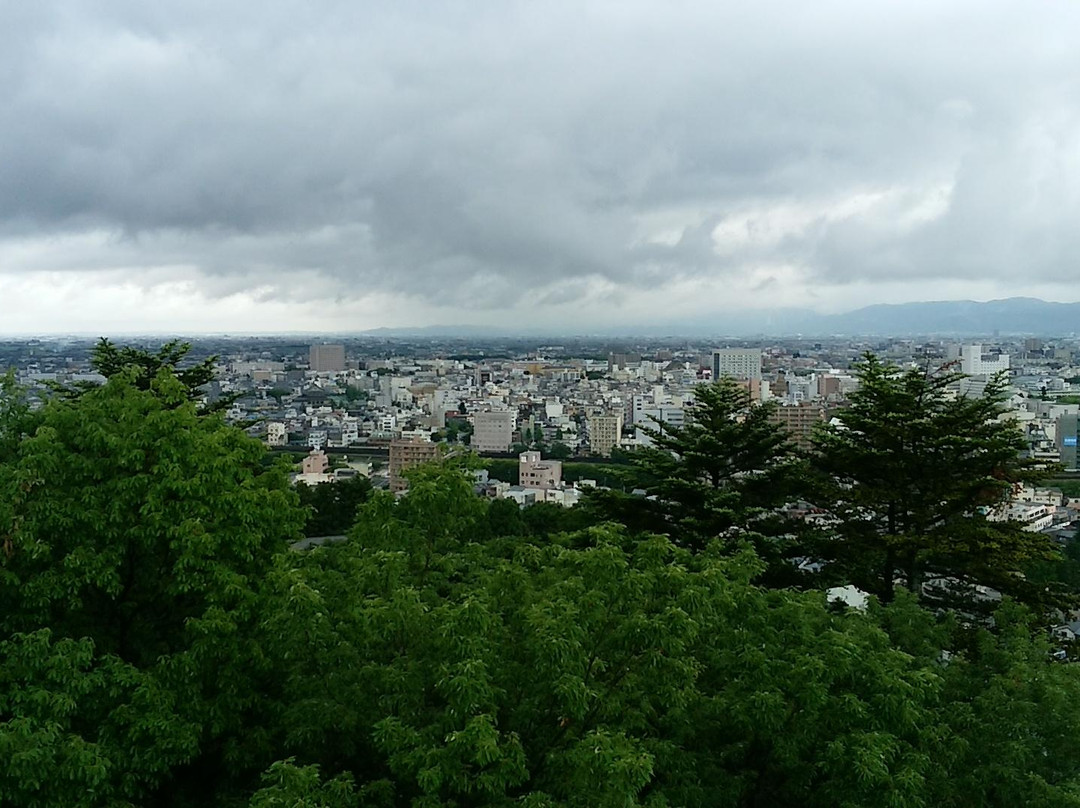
(738, 363)
(605, 432)
(1066, 439)
(536, 473)
(406, 453)
(327, 358)
(975, 362)
(493, 431)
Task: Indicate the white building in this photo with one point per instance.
(648, 416)
(975, 362)
(276, 434)
(739, 363)
(493, 431)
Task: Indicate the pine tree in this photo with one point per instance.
(911, 473)
(721, 474)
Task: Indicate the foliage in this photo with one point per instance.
(909, 477)
(722, 475)
(110, 360)
(135, 533)
(560, 451)
(332, 505)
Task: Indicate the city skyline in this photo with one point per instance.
(232, 168)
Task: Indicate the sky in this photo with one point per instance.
(240, 166)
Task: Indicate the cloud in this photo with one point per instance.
(485, 156)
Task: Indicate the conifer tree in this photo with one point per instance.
(911, 475)
(721, 474)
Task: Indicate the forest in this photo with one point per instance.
(162, 645)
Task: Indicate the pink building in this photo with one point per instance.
(536, 473)
(316, 462)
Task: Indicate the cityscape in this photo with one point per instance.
(388, 404)
(540, 405)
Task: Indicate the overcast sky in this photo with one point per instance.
(260, 166)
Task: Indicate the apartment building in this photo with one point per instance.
(406, 453)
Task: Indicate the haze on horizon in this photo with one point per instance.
(241, 166)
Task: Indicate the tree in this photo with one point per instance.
(911, 475)
(110, 360)
(136, 533)
(560, 451)
(722, 474)
(582, 669)
(333, 505)
(278, 394)
(355, 394)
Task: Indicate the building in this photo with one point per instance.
(605, 432)
(327, 358)
(536, 473)
(404, 454)
(316, 462)
(656, 416)
(276, 434)
(493, 431)
(799, 420)
(1066, 438)
(738, 363)
(975, 362)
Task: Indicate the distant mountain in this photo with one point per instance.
(1014, 315)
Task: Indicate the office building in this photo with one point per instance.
(327, 358)
(738, 363)
(493, 431)
(974, 361)
(1065, 440)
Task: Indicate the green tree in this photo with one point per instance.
(583, 669)
(354, 394)
(560, 451)
(722, 474)
(110, 360)
(333, 505)
(135, 532)
(910, 475)
(278, 394)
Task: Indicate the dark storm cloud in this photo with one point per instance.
(474, 151)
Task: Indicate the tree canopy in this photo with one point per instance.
(913, 474)
(720, 476)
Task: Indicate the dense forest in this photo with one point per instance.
(162, 645)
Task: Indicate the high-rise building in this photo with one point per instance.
(405, 454)
(493, 431)
(1066, 438)
(605, 432)
(327, 358)
(738, 363)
